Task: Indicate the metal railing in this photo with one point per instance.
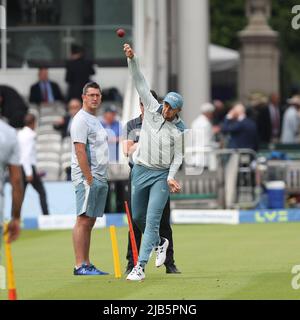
(229, 184)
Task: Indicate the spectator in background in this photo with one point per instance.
(27, 144)
(114, 131)
(112, 94)
(45, 91)
(291, 121)
(275, 114)
(203, 135)
(12, 106)
(218, 117)
(257, 101)
(9, 158)
(256, 111)
(219, 112)
(78, 72)
(269, 120)
(241, 129)
(64, 124)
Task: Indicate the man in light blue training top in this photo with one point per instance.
(89, 175)
(156, 160)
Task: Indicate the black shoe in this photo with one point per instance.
(129, 268)
(171, 268)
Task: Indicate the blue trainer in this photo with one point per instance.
(88, 270)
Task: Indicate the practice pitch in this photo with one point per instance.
(217, 262)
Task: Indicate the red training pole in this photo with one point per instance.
(132, 237)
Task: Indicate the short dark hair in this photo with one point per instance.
(154, 94)
(76, 48)
(88, 85)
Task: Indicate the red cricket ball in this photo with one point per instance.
(121, 33)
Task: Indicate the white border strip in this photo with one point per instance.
(63, 222)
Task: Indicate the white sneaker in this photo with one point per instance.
(161, 252)
(137, 274)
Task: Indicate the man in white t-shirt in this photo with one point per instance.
(203, 137)
(89, 175)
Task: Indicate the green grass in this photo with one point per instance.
(217, 262)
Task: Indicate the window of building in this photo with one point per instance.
(41, 32)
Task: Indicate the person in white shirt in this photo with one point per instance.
(203, 141)
(27, 144)
(291, 121)
(9, 159)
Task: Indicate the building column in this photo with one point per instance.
(139, 26)
(259, 64)
(161, 47)
(3, 27)
(193, 61)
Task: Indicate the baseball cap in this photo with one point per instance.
(174, 99)
(111, 108)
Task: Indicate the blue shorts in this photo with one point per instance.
(91, 200)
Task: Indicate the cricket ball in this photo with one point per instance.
(120, 32)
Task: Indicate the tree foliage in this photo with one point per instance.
(227, 18)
